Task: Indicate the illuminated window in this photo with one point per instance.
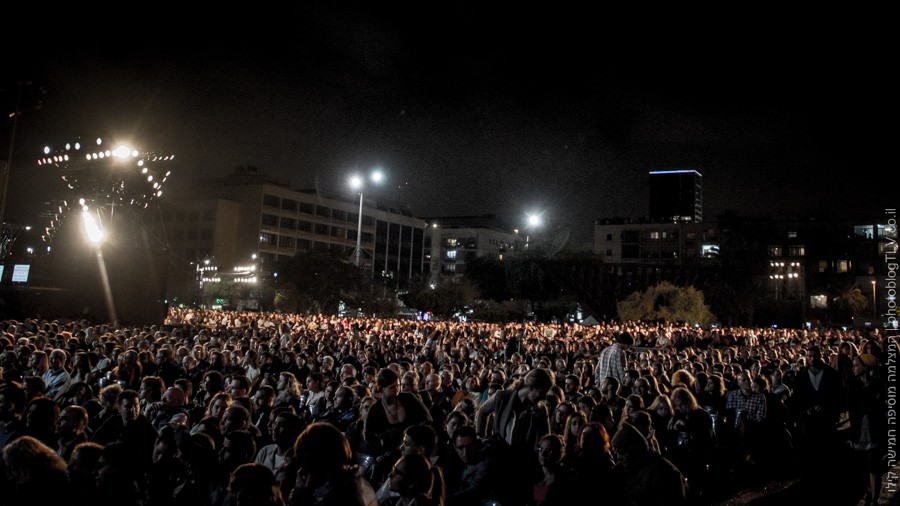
(796, 251)
(654, 235)
(451, 254)
(842, 266)
(818, 302)
(774, 251)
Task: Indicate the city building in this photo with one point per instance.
(450, 241)
(656, 243)
(246, 219)
(676, 195)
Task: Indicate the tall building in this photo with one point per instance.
(676, 195)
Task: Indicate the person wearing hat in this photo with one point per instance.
(868, 421)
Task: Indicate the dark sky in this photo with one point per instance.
(471, 111)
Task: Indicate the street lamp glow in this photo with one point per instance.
(534, 220)
(357, 183)
(91, 227)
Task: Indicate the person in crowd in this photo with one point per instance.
(645, 478)
(868, 423)
(70, 429)
(326, 474)
(36, 474)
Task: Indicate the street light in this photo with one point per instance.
(874, 301)
(357, 182)
(531, 222)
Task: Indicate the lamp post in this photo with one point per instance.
(533, 221)
(357, 182)
(874, 301)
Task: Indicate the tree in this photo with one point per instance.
(853, 300)
(445, 298)
(667, 302)
(321, 281)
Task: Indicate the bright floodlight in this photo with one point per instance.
(92, 228)
(122, 152)
(356, 182)
(46, 150)
(534, 220)
(377, 176)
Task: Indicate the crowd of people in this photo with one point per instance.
(217, 408)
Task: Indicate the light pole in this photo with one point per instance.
(533, 221)
(357, 182)
(874, 301)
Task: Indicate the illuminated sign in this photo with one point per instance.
(20, 273)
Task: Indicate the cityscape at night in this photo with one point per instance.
(448, 256)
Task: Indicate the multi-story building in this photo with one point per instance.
(676, 195)
(242, 216)
(450, 241)
(668, 243)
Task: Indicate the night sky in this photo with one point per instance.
(471, 111)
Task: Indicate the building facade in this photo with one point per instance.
(676, 195)
(450, 241)
(244, 216)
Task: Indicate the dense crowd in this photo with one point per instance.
(232, 408)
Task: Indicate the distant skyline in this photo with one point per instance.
(481, 112)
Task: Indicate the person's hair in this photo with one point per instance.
(540, 378)
(661, 400)
(110, 393)
(216, 397)
(89, 450)
(254, 484)
(244, 381)
(386, 377)
(129, 395)
(464, 431)
(215, 381)
(14, 393)
(418, 478)
(424, 436)
(28, 461)
(682, 378)
(557, 442)
(684, 396)
(157, 386)
(322, 450)
(242, 441)
(599, 439)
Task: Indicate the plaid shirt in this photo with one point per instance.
(610, 363)
(753, 405)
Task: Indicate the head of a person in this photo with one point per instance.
(322, 451)
(419, 440)
(238, 447)
(683, 401)
(254, 485)
(388, 383)
(71, 422)
(235, 418)
(467, 445)
(538, 382)
(411, 476)
(551, 450)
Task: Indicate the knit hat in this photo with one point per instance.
(868, 360)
